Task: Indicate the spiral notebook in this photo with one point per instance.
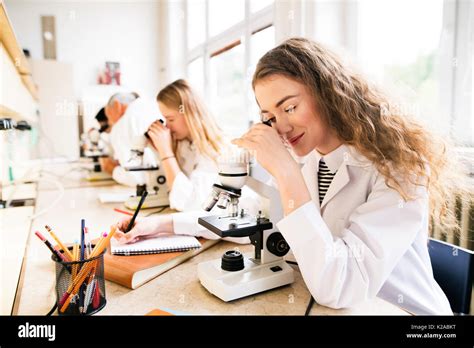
(163, 244)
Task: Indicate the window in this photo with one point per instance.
(227, 92)
(224, 14)
(257, 5)
(398, 45)
(196, 74)
(260, 42)
(196, 23)
(222, 64)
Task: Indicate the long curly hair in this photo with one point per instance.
(364, 117)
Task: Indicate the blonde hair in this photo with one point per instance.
(363, 117)
(205, 133)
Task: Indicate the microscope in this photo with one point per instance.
(236, 275)
(95, 147)
(150, 177)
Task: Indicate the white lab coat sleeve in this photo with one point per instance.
(181, 191)
(189, 193)
(341, 271)
(120, 142)
(186, 223)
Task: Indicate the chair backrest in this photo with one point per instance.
(452, 268)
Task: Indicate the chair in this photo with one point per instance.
(452, 268)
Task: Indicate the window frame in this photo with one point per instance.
(238, 34)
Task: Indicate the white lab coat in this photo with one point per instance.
(193, 184)
(138, 117)
(364, 240)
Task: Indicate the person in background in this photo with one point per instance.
(103, 131)
(101, 118)
(188, 145)
(129, 116)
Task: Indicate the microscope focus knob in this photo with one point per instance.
(277, 245)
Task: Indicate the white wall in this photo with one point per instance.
(58, 123)
(90, 33)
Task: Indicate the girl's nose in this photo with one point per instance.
(282, 125)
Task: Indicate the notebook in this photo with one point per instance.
(135, 270)
(163, 244)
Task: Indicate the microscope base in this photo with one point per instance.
(254, 278)
(151, 201)
(98, 176)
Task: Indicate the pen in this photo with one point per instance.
(75, 253)
(122, 211)
(50, 247)
(98, 244)
(61, 245)
(87, 291)
(82, 251)
(132, 221)
(90, 289)
(83, 244)
(96, 296)
(56, 247)
(88, 242)
(88, 296)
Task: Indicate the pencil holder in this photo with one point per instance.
(80, 285)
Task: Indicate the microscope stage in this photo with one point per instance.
(238, 226)
(254, 278)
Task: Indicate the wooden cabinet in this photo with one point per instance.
(18, 101)
(18, 94)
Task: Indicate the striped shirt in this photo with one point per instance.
(324, 179)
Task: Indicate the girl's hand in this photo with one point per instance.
(161, 139)
(144, 227)
(272, 155)
(269, 150)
